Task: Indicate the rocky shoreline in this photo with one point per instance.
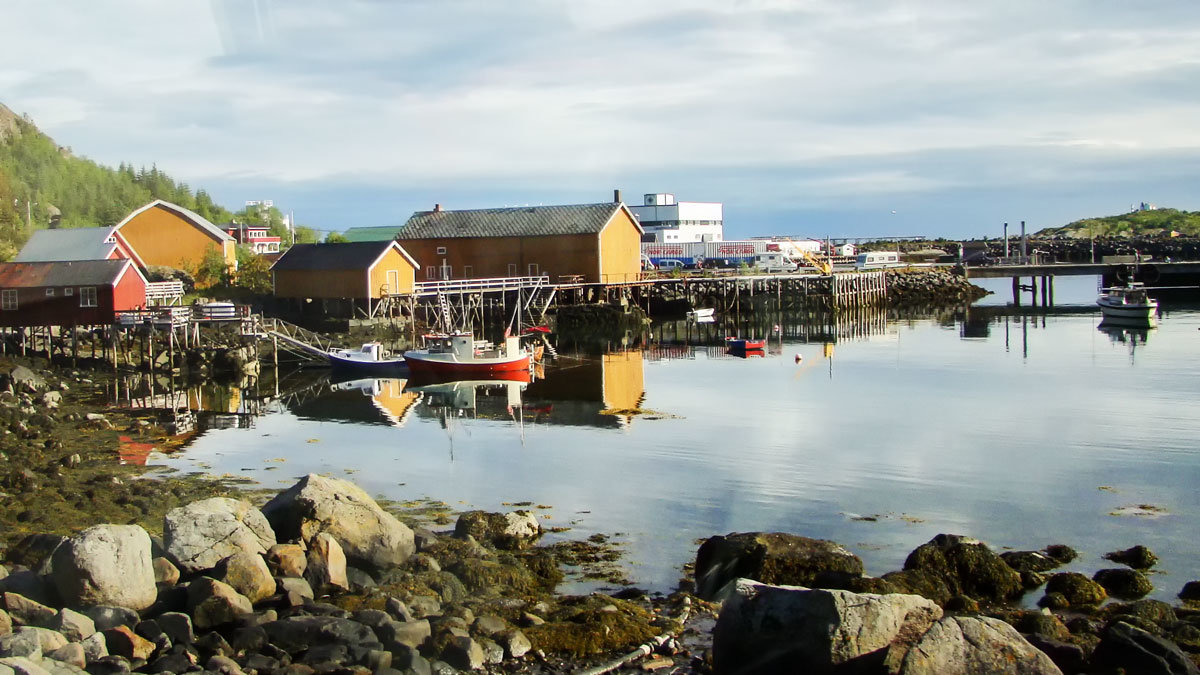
(109, 570)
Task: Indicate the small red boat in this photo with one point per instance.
(460, 355)
(744, 344)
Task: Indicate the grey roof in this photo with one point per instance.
(84, 243)
(345, 256)
(70, 273)
(523, 221)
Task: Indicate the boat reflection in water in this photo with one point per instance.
(493, 398)
(388, 398)
(1120, 333)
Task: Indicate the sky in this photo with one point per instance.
(820, 118)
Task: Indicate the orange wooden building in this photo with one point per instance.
(592, 243)
(363, 274)
(166, 234)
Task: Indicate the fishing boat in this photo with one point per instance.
(460, 355)
(1127, 303)
(737, 344)
(370, 356)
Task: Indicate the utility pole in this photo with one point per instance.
(28, 211)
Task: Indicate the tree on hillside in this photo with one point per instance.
(336, 238)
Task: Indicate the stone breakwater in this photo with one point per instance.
(930, 286)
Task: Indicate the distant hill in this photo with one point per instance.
(1147, 223)
(42, 182)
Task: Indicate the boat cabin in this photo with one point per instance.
(464, 346)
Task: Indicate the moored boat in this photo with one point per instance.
(702, 315)
(745, 344)
(370, 356)
(1127, 303)
(460, 355)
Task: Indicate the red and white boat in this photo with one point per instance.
(461, 356)
(737, 344)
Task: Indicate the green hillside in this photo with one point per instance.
(1150, 223)
(43, 183)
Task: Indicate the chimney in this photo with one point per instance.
(616, 196)
(437, 208)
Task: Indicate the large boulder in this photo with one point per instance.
(771, 629)
(106, 565)
(1137, 651)
(368, 535)
(201, 534)
(771, 558)
(960, 645)
(951, 565)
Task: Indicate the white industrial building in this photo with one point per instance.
(665, 220)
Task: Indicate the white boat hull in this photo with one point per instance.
(1127, 311)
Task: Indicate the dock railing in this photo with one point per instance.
(470, 285)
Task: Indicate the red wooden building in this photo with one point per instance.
(75, 293)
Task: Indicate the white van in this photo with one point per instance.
(773, 262)
(670, 264)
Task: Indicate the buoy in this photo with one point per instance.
(799, 358)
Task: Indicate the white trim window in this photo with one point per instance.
(430, 272)
(49, 292)
(533, 269)
(8, 299)
(87, 296)
(512, 269)
(68, 291)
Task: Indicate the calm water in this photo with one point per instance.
(1020, 431)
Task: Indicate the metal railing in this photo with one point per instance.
(490, 284)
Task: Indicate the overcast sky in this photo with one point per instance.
(809, 117)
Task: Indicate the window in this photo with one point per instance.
(8, 299)
(430, 272)
(468, 270)
(49, 292)
(87, 296)
(441, 250)
(512, 269)
(533, 269)
(68, 291)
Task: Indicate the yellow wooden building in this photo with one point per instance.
(591, 243)
(162, 233)
(367, 275)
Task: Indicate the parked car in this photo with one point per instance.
(671, 264)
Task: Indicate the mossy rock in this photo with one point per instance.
(1190, 592)
(1041, 624)
(1078, 590)
(505, 531)
(444, 584)
(1054, 601)
(543, 565)
(595, 624)
(1062, 553)
(1156, 612)
(1138, 557)
(1123, 583)
(922, 583)
(770, 558)
(484, 577)
(967, 567)
(1029, 561)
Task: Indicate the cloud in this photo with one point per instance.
(559, 95)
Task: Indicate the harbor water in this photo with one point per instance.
(1019, 427)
